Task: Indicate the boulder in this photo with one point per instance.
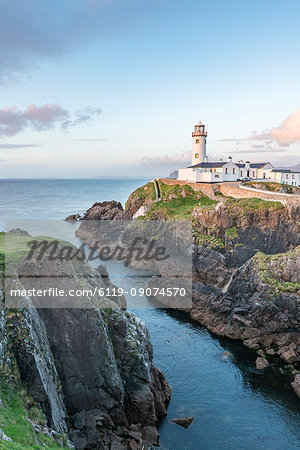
(184, 422)
(72, 218)
(261, 363)
(296, 385)
(108, 210)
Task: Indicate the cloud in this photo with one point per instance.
(260, 149)
(12, 146)
(286, 134)
(32, 30)
(13, 121)
(183, 159)
(289, 131)
(82, 116)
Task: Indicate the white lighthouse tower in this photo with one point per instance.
(199, 144)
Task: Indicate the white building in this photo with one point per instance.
(286, 176)
(204, 171)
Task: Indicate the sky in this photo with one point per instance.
(94, 88)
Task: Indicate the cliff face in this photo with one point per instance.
(246, 272)
(90, 369)
(246, 226)
(260, 305)
(246, 277)
(245, 269)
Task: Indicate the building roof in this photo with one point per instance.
(208, 165)
(253, 165)
(213, 165)
(286, 170)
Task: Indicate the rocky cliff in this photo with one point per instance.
(88, 370)
(246, 264)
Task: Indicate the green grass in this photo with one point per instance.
(177, 189)
(263, 263)
(231, 233)
(146, 192)
(252, 204)
(14, 247)
(179, 208)
(212, 241)
(272, 186)
(14, 424)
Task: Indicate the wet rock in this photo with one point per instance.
(115, 445)
(133, 445)
(289, 356)
(72, 218)
(19, 231)
(211, 266)
(137, 435)
(108, 210)
(296, 384)
(135, 426)
(79, 420)
(184, 422)
(261, 363)
(80, 442)
(150, 434)
(270, 351)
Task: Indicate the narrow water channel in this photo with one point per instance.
(234, 405)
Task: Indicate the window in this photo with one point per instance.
(253, 173)
(241, 173)
(287, 175)
(293, 176)
(233, 170)
(226, 170)
(215, 170)
(196, 155)
(197, 141)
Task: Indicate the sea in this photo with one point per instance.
(234, 406)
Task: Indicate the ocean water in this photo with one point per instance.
(56, 198)
(234, 405)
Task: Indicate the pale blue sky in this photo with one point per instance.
(153, 68)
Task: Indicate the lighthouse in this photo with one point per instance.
(199, 144)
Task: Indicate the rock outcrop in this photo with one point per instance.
(90, 369)
(246, 267)
(104, 211)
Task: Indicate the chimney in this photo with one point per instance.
(229, 159)
(206, 158)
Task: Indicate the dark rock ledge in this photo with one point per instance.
(90, 369)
